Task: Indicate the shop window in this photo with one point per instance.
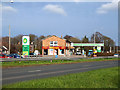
(55, 43)
(62, 52)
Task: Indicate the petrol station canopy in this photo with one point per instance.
(87, 44)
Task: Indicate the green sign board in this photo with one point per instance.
(98, 49)
(25, 49)
(25, 45)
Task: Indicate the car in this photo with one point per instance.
(116, 55)
(8, 56)
(2, 55)
(31, 54)
(90, 53)
(78, 53)
(15, 55)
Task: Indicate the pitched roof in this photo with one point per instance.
(52, 36)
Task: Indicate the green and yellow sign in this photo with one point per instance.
(25, 45)
(25, 40)
(98, 48)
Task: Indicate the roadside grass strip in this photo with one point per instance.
(38, 62)
(101, 78)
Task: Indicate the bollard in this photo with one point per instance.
(56, 56)
(50, 60)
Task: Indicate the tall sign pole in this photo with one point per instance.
(9, 39)
(25, 45)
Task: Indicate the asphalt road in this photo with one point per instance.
(12, 75)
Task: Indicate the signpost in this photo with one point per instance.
(25, 45)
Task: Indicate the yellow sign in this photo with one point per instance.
(54, 47)
(25, 53)
(95, 51)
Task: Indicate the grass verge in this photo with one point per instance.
(101, 78)
(29, 63)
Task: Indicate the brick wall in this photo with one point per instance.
(46, 42)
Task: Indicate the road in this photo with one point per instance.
(12, 75)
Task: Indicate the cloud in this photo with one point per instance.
(105, 8)
(76, 1)
(55, 9)
(8, 8)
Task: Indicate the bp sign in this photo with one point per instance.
(25, 40)
(25, 45)
(98, 48)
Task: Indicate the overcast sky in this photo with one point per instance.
(61, 18)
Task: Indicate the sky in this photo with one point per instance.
(60, 18)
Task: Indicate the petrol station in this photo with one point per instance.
(95, 47)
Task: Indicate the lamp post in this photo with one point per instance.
(94, 44)
(9, 40)
(10, 33)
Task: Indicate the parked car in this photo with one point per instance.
(32, 54)
(78, 53)
(15, 55)
(116, 55)
(2, 55)
(90, 53)
(8, 56)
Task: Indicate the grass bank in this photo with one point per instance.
(27, 63)
(101, 78)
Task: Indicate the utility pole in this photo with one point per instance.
(9, 39)
(94, 44)
(9, 32)
(94, 40)
(104, 45)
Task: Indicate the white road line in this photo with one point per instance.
(34, 71)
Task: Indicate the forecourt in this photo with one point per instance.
(13, 75)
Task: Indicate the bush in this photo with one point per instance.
(105, 54)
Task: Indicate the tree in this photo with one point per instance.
(5, 42)
(67, 37)
(108, 42)
(99, 38)
(39, 43)
(85, 40)
(32, 37)
(72, 39)
(16, 44)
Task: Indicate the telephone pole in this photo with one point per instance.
(9, 39)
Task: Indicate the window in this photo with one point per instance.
(53, 43)
(62, 51)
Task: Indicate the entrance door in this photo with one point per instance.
(45, 51)
(56, 52)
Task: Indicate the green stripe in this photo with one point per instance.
(79, 44)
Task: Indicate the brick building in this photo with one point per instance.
(54, 45)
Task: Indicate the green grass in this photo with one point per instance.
(101, 78)
(26, 63)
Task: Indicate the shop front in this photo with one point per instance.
(57, 50)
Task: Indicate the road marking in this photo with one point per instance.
(34, 71)
(25, 76)
(87, 65)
